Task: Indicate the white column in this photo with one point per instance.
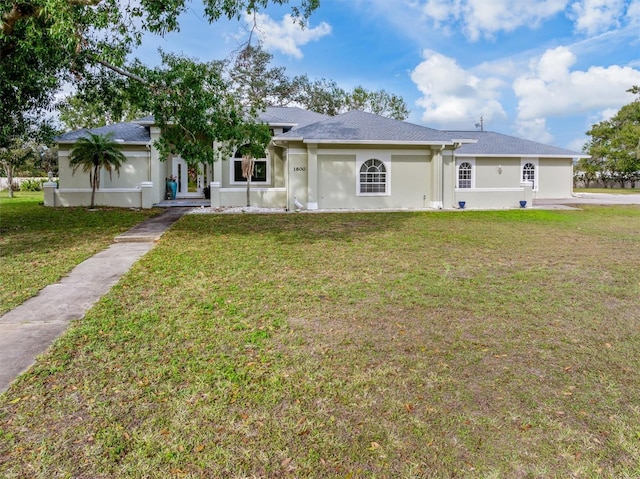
(146, 193)
(312, 177)
(436, 179)
(50, 193)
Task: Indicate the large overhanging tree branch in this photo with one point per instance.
(195, 108)
(46, 42)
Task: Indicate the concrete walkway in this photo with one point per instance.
(28, 330)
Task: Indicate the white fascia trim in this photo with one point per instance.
(287, 139)
(123, 143)
(379, 142)
(487, 190)
(500, 155)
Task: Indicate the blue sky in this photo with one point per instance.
(544, 70)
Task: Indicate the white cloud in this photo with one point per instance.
(552, 89)
(633, 13)
(480, 18)
(454, 97)
(597, 16)
(578, 143)
(534, 129)
(286, 36)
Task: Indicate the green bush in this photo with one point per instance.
(31, 184)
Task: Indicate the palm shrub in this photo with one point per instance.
(94, 152)
(31, 184)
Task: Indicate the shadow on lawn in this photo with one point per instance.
(294, 228)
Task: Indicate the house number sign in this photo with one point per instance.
(299, 168)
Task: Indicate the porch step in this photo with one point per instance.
(183, 202)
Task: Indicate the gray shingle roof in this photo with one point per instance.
(128, 132)
(356, 126)
(359, 126)
(490, 143)
(290, 116)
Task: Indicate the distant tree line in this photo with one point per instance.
(107, 97)
(614, 150)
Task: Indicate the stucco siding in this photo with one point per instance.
(408, 186)
(410, 179)
(497, 172)
(133, 171)
(337, 181)
(298, 177)
(556, 178)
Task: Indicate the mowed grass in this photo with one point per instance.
(39, 245)
(610, 191)
(380, 345)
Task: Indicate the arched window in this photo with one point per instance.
(464, 175)
(373, 177)
(529, 173)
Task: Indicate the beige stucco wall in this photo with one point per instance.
(131, 188)
(489, 198)
(556, 178)
(410, 176)
(298, 166)
(497, 172)
(132, 173)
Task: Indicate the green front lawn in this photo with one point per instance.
(610, 191)
(39, 245)
(404, 345)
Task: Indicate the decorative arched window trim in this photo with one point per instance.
(530, 172)
(373, 177)
(471, 180)
(262, 169)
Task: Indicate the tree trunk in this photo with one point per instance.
(9, 169)
(249, 191)
(94, 186)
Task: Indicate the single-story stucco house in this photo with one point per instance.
(353, 161)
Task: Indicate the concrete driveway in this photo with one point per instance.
(589, 199)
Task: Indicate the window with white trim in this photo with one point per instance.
(373, 178)
(529, 173)
(464, 175)
(261, 170)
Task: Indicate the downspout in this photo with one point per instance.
(442, 176)
(148, 162)
(456, 145)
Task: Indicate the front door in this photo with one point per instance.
(191, 179)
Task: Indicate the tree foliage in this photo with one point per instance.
(198, 104)
(46, 42)
(259, 84)
(13, 158)
(100, 99)
(615, 147)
